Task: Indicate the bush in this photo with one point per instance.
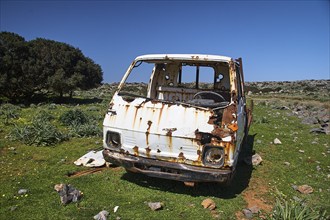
(43, 116)
(73, 118)
(80, 124)
(39, 133)
(86, 130)
(8, 112)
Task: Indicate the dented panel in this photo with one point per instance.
(186, 127)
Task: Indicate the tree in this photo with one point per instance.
(43, 65)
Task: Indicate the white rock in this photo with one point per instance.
(277, 141)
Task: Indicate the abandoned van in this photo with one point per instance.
(178, 116)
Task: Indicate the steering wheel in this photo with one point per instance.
(209, 95)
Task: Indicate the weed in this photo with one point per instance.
(286, 210)
(39, 133)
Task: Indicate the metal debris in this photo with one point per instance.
(91, 159)
(86, 172)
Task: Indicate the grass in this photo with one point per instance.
(38, 169)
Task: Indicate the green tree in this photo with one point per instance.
(43, 65)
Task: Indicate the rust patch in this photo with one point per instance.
(233, 127)
(148, 152)
(228, 114)
(136, 151)
(181, 157)
(148, 132)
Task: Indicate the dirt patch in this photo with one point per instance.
(254, 195)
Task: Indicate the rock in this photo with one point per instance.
(68, 193)
(277, 141)
(258, 141)
(310, 120)
(13, 208)
(284, 108)
(22, 191)
(254, 209)
(102, 215)
(318, 130)
(305, 189)
(256, 160)
(154, 206)
(208, 204)
(294, 187)
(301, 151)
(249, 93)
(287, 163)
(247, 213)
(115, 209)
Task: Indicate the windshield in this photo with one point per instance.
(197, 84)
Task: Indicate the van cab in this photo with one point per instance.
(178, 116)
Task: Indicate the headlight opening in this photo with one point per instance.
(213, 156)
(113, 139)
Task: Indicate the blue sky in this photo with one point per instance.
(278, 40)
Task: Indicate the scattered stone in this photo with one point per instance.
(310, 120)
(305, 189)
(22, 191)
(102, 215)
(301, 151)
(277, 141)
(318, 131)
(249, 93)
(318, 168)
(287, 163)
(115, 209)
(247, 213)
(68, 193)
(256, 159)
(258, 141)
(295, 187)
(297, 199)
(208, 204)
(154, 206)
(13, 208)
(254, 209)
(284, 108)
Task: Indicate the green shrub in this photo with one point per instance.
(8, 112)
(39, 133)
(80, 124)
(86, 130)
(73, 117)
(43, 116)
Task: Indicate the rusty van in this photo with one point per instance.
(186, 121)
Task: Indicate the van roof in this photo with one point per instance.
(184, 57)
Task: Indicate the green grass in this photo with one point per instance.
(38, 169)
